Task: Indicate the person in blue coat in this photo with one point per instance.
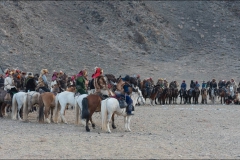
(127, 97)
(184, 85)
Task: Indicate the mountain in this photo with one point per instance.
(160, 39)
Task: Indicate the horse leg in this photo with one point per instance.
(128, 123)
(62, 111)
(52, 114)
(93, 124)
(113, 124)
(87, 128)
(46, 113)
(108, 122)
(1, 109)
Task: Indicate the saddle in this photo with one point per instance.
(121, 100)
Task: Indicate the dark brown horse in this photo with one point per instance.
(222, 92)
(195, 95)
(174, 95)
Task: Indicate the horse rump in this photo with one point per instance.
(85, 111)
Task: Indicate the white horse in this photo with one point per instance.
(110, 106)
(137, 97)
(17, 104)
(30, 99)
(61, 101)
(78, 109)
(213, 96)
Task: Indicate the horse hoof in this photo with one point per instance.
(87, 129)
(114, 127)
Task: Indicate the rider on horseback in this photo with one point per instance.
(197, 85)
(149, 86)
(184, 85)
(30, 83)
(126, 92)
(192, 86)
(213, 85)
(42, 81)
(80, 82)
(9, 85)
(99, 82)
(204, 84)
(160, 83)
(165, 82)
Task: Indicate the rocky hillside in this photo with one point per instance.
(174, 40)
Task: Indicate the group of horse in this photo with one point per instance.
(50, 104)
(169, 95)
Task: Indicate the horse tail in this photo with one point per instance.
(77, 110)
(56, 109)
(104, 114)
(41, 106)
(14, 107)
(85, 111)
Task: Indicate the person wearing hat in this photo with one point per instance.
(165, 82)
(80, 82)
(192, 86)
(204, 84)
(233, 83)
(8, 84)
(128, 99)
(42, 81)
(99, 83)
(197, 84)
(213, 85)
(160, 83)
(54, 82)
(30, 82)
(184, 85)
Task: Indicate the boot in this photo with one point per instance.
(129, 110)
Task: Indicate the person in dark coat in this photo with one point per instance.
(184, 85)
(126, 92)
(30, 82)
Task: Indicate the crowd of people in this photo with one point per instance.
(29, 82)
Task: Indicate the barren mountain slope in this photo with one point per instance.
(174, 40)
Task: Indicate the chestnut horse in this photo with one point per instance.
(46, 106)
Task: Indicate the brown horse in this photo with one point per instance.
(90, 104)
(222, 92)
(204, 94)
(174, 95)
(46, 104)
(163, 95)
(5, 101)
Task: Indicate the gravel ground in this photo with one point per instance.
(170, 131)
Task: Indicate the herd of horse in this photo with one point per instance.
(50, 104)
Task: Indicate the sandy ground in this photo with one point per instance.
(170, 131)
